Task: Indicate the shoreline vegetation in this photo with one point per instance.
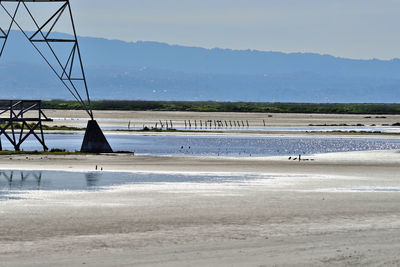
(36, 152)
(211, 106)
(57, 151)
(18, 126)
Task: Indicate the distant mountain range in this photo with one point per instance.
(158, 71)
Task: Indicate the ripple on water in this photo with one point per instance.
(235, 146)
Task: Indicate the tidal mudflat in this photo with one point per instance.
(338, 205)
(340, 209)
(120, 119)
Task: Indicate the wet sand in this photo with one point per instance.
(331, 209)
(334, 209)
(354, 163)
(139, 118)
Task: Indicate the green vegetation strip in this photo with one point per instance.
(258, 107)
(56, 152)
(18, 126)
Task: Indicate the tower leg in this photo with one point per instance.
(94, 140)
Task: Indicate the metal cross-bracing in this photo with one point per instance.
(20, 119)
(41, 22)
(60, 51)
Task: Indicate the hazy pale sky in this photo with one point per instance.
(346, 28)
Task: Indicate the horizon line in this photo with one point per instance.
(231, 49)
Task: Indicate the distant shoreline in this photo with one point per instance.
(240, 107)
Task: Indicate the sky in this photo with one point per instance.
(346, 28)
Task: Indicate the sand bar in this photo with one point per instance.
(140, 118)
(363, 162)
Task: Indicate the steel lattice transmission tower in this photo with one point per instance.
(39, 21)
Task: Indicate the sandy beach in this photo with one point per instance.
(332, 210)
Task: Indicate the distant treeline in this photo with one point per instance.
(211, 106)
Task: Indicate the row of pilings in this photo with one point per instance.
(199, 124)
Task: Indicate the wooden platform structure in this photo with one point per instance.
(20, 119)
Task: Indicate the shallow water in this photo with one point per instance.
(60, 180)
(13, 181)
(372, 129)
(235, 146)
(123, 125)
(374, 190)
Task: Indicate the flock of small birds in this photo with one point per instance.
(187, 149)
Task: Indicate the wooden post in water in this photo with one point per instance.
(170, 121)
(264, 122)
(190, 125)
(195, 124)
(201, 124)
(185, 124)
(247, 123)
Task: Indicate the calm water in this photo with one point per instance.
(218, 145)
(123, 125)
(12, 181)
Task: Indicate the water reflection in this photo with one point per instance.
(12, 180)
(16, 181)
(92, 179)
(21, 180)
